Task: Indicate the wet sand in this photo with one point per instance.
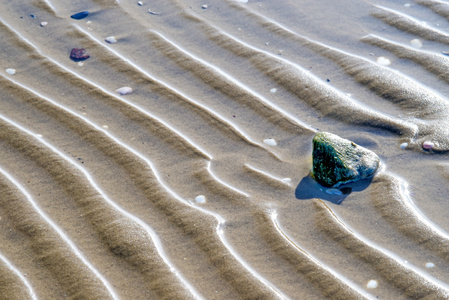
(99, 191)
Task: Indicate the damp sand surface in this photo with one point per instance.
(174, 161)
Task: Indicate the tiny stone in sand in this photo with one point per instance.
(111, 39)
(383, 61)
(43, 24)
(286, 179)
(11, 71)
(404, 145)
(372, 284)
(79, 54)
(200, 199)
(80, 15)
(416, 43)
(124, 90)
(430, 265)
(204, 6)
(428, 145)
(270, 142)
(273, 90)
(140, 3)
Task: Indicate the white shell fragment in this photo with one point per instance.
(201, 199)
(273, 90)
(140, 3)
(416, 43)
(43, 24)
(111, 39)
(372, 284)
(404, 145)
(428, 145)
(11, 71)
(430, 265)
(124, 90)
(204, 6)
(270, 142)
(383, 61)
(153, 12)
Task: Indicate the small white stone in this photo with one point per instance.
(383, 61)
(407, 5)
(89, 22)
(80, 64)
(105, 126)
(270, 142)
(372, 284)
(430, 265)
(11, 71)
(416, 43)
(111, 39)
(201, 199)
(43, 24)
(428, 145)
(273, 90)
(124, 90)
(404, 145)
(287, 179)
(140, 3)
(204, 6)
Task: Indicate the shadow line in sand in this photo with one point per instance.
(308, 189)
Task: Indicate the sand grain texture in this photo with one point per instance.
(98, 188)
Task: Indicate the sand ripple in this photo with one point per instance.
(98, 189)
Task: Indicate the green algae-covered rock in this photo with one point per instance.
(337, 161)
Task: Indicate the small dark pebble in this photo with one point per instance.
(33, 16)
(80, 15)
(328, 80)
(79, 54)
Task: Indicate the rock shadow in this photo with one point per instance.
(308, 189)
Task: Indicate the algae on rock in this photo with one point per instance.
(337, 161)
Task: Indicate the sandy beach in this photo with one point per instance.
(171, 158)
